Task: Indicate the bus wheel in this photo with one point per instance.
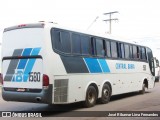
(143, 89)
(91, 97)
(106, 94)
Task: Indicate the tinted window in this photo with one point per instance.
(93, 46)
(76, 43)
(114, 49)
(121, 50)
(85, 45)
(56, 41)
(135, 52)
(138, 52)
(131, 51)
(143, 53)
(108, 48)
(65, 41)
(126, 48)
(100, 48)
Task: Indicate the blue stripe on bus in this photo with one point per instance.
(93, 65)
(104, 65)
(30, 64)
(23, 62)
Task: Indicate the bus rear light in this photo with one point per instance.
(1, 78)
(45, 80)
(19, 57)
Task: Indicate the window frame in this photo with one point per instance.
(88, 42)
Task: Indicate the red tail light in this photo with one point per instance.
(1, 78)
(45, 80)
(22, 25)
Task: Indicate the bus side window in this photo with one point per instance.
(108, 49)
(138, 53)
(65, 41)
(121, 50)
(114, 49)
(143, 53)
(85, 44)
(56, 39)
(93, 47)
(131, 51)
(61, 40)
(126, 49)
(76, 43)
(100, 47)
(135, 55)
(104, 48)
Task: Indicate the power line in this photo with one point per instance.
(93, 22)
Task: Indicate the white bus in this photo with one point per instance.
(45, 63)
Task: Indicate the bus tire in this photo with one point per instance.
(106, 94)
(91, 97)
(143, 89)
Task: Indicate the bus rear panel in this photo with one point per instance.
(22, 64)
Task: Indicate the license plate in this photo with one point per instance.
(21, 89)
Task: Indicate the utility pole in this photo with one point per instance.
(110, 19)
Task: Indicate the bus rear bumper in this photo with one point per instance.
(44, 96)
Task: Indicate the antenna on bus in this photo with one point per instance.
(53, 22)
(48, 22)
(41, 21)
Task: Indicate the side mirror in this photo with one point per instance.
(156, 62)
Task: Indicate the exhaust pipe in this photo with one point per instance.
(38, 99)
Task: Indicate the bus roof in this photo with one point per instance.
(37, 25)
(50, 25)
